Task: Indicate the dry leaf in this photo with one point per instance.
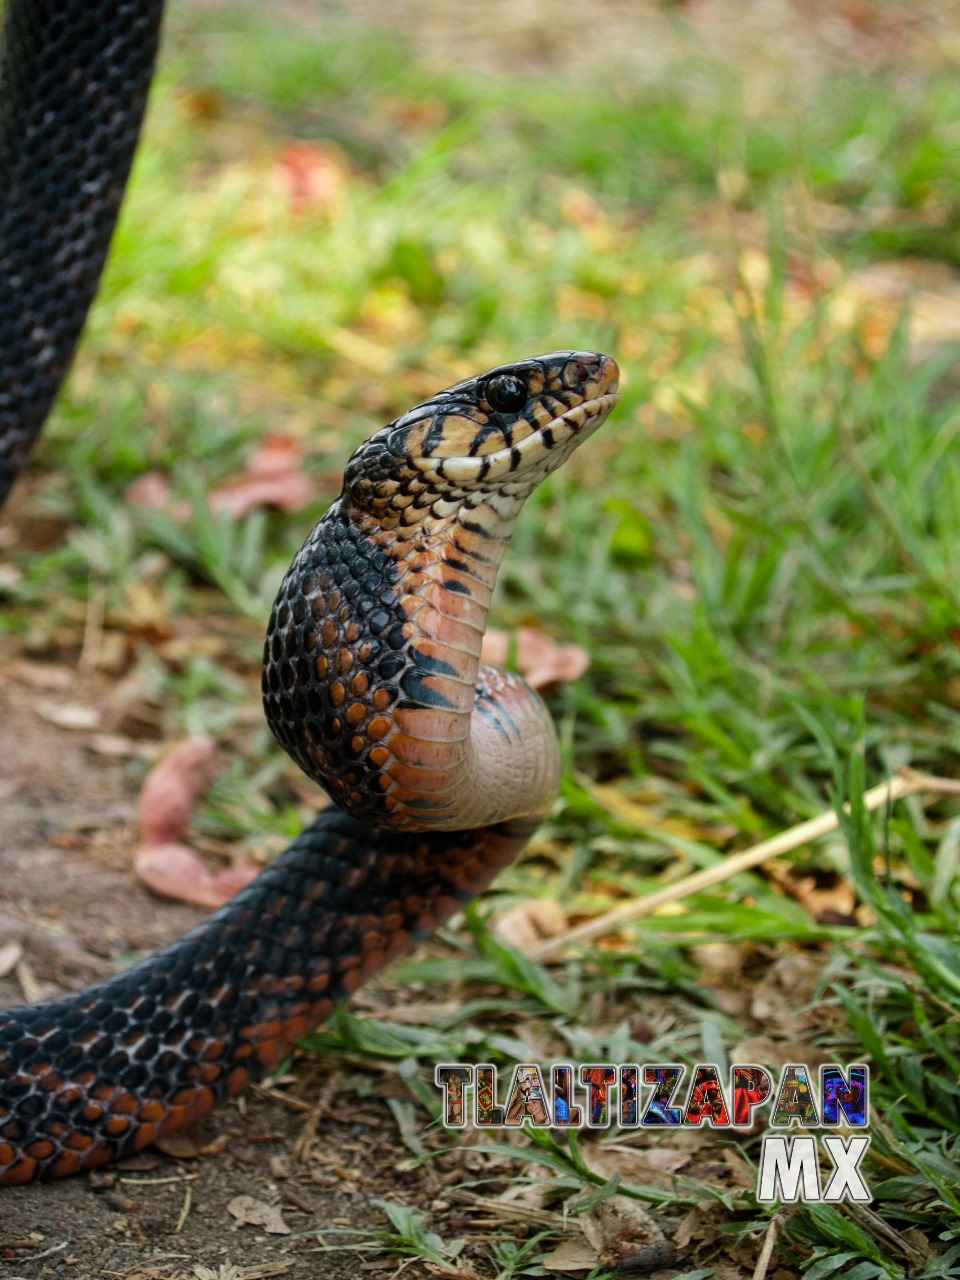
(11, 953)
(417, 115)
(163, 862)
(315, 175)
(528, 923)
(114, 745)
(571, 1255)
(243, 493)
(874, 299)
(832, 903)
(152, 490)
(182, 1146)
(638, 1159)
(176, 871)
(171, 790)
(273, 478)
(719, 961)
(227, 1271)
(43, 675)
(69, 715)
(540, 660)
(251, 1212)
(619, 1222)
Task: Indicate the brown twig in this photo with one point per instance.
(906, 783)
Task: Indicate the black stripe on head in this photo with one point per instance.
(486, 431)
(472, 526)
(434, 437)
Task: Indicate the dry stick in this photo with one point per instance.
(906, 783)
(185, 1211)
(766, 1252)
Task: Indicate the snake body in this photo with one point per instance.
(74, 77)
(440, 767)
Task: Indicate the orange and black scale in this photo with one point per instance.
(371, 678)
(377, 627)
(92, 1077)
(338, 663)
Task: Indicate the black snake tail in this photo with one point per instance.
(74, 78)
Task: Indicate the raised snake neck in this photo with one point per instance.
(440, 767)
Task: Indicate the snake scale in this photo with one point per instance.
(440, 768)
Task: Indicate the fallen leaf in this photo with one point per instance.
(249, 1211)
(146, 608)
(831, 902)
(540, 660)
(315, 175)
(171, 789)
(43, 675)
(571, 1255)
(152, 490)
(876, 296)
(11, 953)
(142, 1162)
(273, 476)
(114, 745)
(163, 862)
(69, 715)
(187, 1145)
(175, 871)
(720, 962)
(227, 1271)
(242, 493)
(417, 115)
(529, 922)
(619, 1224)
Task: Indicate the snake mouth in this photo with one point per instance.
(503, 431)
(527, 463)
(524, 464)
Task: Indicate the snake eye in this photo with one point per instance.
(505, 393)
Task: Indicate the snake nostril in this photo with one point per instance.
(580, 371)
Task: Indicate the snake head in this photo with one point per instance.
(501, 432)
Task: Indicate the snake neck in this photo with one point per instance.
(372, 674)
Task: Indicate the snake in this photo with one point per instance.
(439, 768)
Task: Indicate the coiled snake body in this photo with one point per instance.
(440, 767)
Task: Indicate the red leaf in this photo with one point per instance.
(167, 797)
(272, 479)
(176, 871)
(540, 660)
(315, 176)
(171, 788)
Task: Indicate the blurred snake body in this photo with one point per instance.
(440, 767)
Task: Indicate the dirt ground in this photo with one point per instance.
(70, 906)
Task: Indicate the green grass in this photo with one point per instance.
(759, 551)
